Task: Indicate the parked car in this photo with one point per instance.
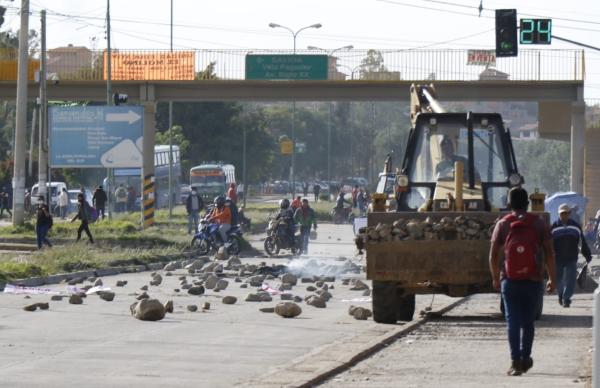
(54, 188)
(349, 183)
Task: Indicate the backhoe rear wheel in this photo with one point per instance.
(384, 301)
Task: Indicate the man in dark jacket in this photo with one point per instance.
(193, 205)
(99, 200)
(83, 213)
(43, 224)
(566, 236)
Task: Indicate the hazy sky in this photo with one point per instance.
(365, 24)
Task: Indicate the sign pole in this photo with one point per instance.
(43, 135)
(21, 119)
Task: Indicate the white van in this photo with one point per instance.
(55, 189)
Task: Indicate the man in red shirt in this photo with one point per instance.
(522, 236)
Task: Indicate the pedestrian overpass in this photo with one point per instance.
(552, 78)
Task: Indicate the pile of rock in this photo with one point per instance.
(446, 228)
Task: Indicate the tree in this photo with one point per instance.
(545, 164)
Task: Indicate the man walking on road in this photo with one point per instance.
(83, 213)
(566, 235)
(43, 223)
(316, 190)
(99, 201)
(305, 216)
(521, 235)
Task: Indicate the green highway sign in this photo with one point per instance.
(286, 67)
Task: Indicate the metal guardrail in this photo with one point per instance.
(80, 63)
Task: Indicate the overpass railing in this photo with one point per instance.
(80, 63)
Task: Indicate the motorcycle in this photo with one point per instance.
(339, 216)
(208, 237)
(278, 238)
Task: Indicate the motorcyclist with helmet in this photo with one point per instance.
(221, 215)
(286, 213)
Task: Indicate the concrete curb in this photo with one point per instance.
(327, 361)
(18, 247)
(101, 272)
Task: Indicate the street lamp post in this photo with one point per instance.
(294, 35)
(330, 105)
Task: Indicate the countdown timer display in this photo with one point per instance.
(535, 31)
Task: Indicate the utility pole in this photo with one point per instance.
(171, 135)
(110, 189)
(43, 135)
(108, 57)
(21, 119)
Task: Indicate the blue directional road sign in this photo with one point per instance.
(96, 136)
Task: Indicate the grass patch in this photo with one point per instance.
(14, 270)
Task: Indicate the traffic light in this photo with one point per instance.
(2, 11)
(120, 98)
(506, 33)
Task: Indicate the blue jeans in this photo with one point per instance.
(193, 220)
(521, 298)
(41, 232)
(304, 235)
(566, 275)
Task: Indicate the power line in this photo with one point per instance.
(522, 13)
(396, 2)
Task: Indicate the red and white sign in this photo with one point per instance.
(481, 57)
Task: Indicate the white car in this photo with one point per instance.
(55, 189)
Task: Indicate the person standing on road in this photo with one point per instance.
(63, 203)
(305, 189)
(521, 235)
(131, 197)
(305, 217)
(354, 196)
(316, 190)
(99, 200)
(566, 236)
(43, 223)
(193, 206)
(83, 214)
(4, 200)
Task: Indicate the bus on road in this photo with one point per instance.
(212, 179)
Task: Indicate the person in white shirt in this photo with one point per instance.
(63, 203)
